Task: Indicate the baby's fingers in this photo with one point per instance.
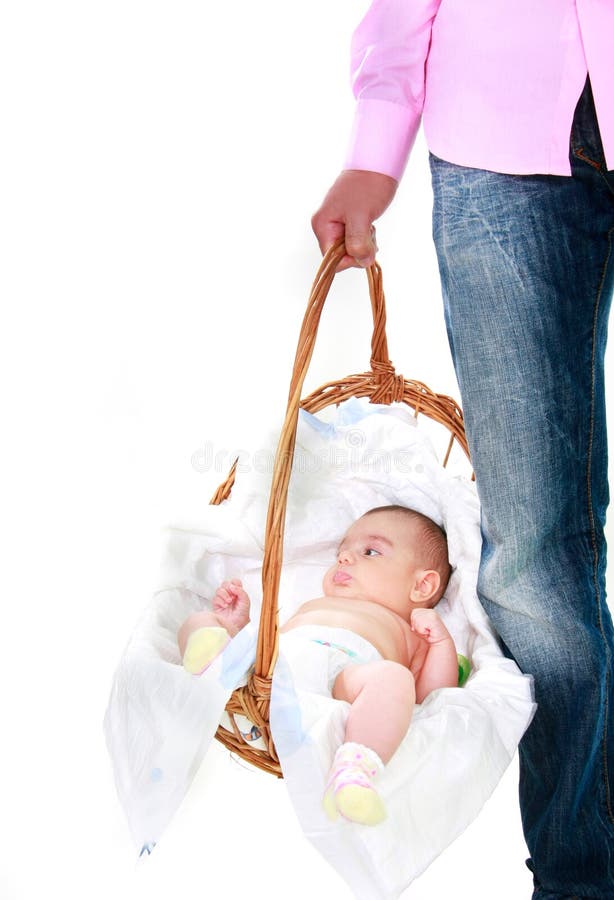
(420, 621)
(232, 587)
(222, 597)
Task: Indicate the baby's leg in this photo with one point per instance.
(382, 696)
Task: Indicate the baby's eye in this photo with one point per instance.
(371, 551)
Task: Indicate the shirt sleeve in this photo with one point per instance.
(388, 61)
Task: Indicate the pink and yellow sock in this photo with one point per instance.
(202, 647)
(349, 790)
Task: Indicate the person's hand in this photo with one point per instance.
(429, 625)
(231, 606)
(354, 202)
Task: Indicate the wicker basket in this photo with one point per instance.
(382, 385)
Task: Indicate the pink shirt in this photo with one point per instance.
(496, 82)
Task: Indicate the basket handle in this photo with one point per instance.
(383, 372)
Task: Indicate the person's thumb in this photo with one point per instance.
(360, 242)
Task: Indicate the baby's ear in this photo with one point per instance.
(425, 587)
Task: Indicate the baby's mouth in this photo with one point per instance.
(341, 577)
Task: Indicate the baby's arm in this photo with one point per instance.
(230, 612)
(440, 667)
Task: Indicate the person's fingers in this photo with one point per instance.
(327, 230)
(355, 200)
(347, 262)
(360, 243)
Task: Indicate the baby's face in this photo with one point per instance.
(378, 560)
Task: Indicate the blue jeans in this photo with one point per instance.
(527, 273)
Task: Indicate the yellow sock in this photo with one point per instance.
(202, 647)
(360, 803)
(350, 790)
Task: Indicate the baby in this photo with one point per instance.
(384, 645)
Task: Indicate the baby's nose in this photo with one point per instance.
(345, 557)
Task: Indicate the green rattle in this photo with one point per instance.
(464, 669)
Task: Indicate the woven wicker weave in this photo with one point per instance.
(382, 385)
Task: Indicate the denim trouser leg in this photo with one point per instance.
(527, 269)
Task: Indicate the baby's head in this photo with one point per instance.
(394, 556)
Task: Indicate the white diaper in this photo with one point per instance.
(317, 653)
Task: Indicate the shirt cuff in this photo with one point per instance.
(382, 137)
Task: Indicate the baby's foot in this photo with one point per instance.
(355, 800)
(349, 791)
(202, 647)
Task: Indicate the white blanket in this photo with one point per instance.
(160, 720)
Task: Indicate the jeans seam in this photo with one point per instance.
(606, 779)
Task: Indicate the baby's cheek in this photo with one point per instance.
(327, 582)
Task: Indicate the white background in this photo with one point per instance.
(160, 164)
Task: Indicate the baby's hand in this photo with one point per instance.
(429, 625)
(231, 606)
